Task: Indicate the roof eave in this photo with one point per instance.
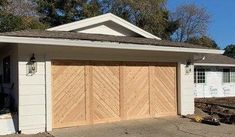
(214, 64)
(102, 44)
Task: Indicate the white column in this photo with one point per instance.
(48, 96)
(185, 89)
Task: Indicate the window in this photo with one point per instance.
(232, 76)
(6, 70)
(199, 75)
(228, 76)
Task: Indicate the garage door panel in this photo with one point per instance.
(69, 116)
(69, 87)
(106, 91)
(68, 94)
(136, 95)
(98, 91)
(163, 89)
(65, 85)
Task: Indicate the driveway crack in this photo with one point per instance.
(179, 129)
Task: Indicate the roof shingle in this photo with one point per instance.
(98, 37)
(217, 59)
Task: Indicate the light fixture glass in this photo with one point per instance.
(31, 66)
(188, 67)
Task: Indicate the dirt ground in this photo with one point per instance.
(230, 101)
(222, 109)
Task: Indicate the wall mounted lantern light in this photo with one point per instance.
(188, 63)
(31, 66)
(188, 67)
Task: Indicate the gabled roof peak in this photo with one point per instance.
(120, 23)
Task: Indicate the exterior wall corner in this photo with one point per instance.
(185, 89)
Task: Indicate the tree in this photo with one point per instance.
(21, 7)
(150, 15)
(230, 51)
(3, 2)
(8, 22)
(193, 22)
(91, 9)
(11, 22)
(204, 41)
(57, 12)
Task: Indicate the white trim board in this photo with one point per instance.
(211, 64)
(48, 94)
(99, 44)
(101, 19)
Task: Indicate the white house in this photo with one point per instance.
(214, 76)
(97, 70)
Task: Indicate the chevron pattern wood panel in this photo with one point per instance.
(68, 95)
(163, 89)
(87, 92)
(106, 92)
(136, 91)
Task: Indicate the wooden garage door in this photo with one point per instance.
(163, 95)
(105, 88)
(136, 90)
(94, 92)
(68, 96)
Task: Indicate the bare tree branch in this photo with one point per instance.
(193, 22)
(22, 8)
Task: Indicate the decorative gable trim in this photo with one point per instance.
(100, 19)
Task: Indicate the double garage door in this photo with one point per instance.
(89, 92)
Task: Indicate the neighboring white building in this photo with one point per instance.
(214, 77)
(97, 70)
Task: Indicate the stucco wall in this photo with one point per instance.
(214, 86)
(37, 88)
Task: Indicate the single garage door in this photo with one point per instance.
(88, 92)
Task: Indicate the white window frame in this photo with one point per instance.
(231, 76)
(197, 72)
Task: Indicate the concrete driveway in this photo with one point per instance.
(160, 127)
